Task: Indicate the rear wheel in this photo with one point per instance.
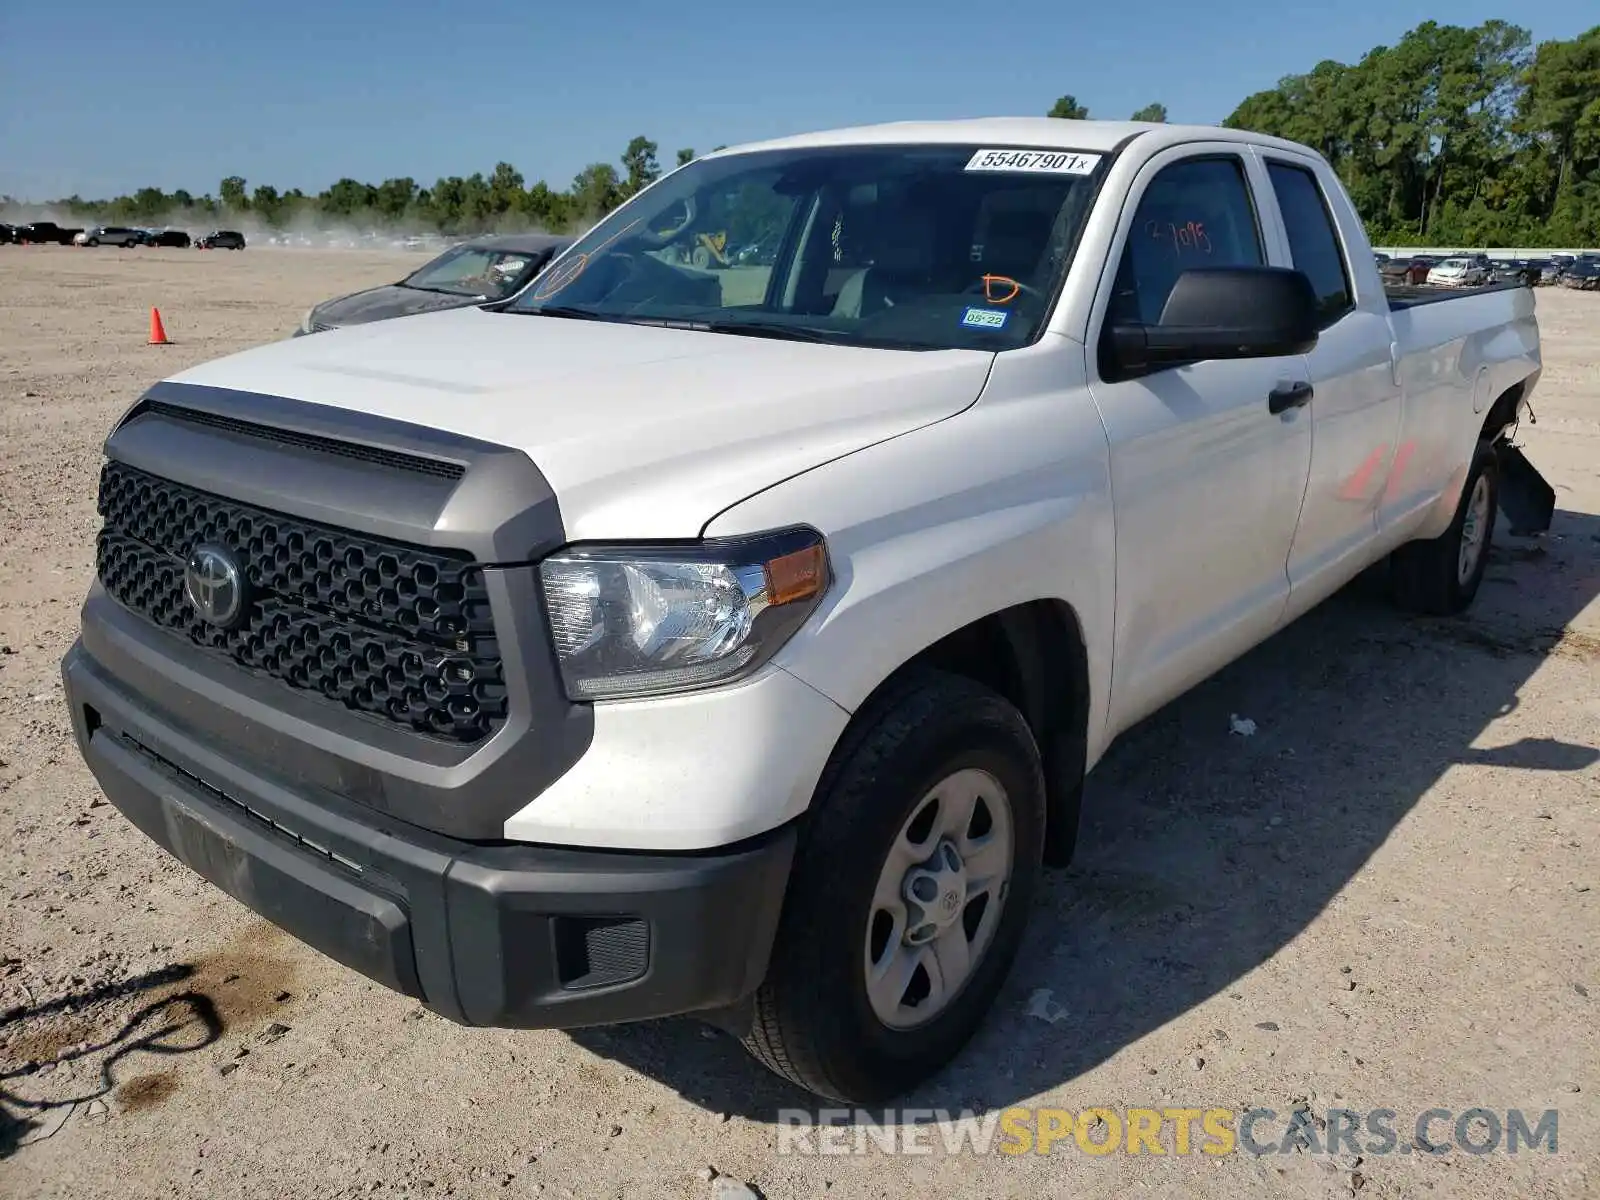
(909, 894)
(1441, 576)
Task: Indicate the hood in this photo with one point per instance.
(381, 303)
(642, 432)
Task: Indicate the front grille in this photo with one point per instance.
(399, 632)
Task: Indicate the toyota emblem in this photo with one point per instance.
(214, 585)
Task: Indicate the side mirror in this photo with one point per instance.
(1224, 312)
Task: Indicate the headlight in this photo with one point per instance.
(644, 620)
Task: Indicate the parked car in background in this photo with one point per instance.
(1583, 274)
(221, 239)
(109, 235)
(8, 233)
(1405, 272)
(1513, 270)
(45, 233)
(478, 271)
(1541, 271)
(168, 237)
(1457, 272)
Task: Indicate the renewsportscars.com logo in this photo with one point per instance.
(1173, 1131)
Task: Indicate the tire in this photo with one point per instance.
(1441, 576)
(92, 242)
(816, 1022)
(700, 258)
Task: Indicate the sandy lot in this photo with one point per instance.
(1389, 897)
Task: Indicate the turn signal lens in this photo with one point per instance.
(798, 575)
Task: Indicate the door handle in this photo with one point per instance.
(1289, 395)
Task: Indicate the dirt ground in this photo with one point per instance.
(1387, 897)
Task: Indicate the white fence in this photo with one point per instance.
(1491, 251)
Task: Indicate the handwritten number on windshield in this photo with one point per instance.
(1189, 236)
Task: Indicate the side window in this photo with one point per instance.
(1195, 213)
(1313, 243)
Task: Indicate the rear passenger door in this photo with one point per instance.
(1356, 405)
(1206, 481)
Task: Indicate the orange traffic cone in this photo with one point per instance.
(158, 332)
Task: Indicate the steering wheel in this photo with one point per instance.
(654, 239)
(982, 285)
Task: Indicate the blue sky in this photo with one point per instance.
(295, 94)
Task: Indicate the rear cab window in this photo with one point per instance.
(1313, 241)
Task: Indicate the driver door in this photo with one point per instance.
(1206, 482)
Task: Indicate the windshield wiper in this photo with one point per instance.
(766, 329)
(421, 287)
(762, 329)
(566, 310)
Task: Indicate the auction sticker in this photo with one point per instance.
(1035, 162)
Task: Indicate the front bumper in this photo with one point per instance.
(483, 933)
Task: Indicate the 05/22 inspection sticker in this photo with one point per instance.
(984, 318)
(1040, 162)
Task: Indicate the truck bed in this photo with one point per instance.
(1403, 296)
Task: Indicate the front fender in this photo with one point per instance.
(1003, 504)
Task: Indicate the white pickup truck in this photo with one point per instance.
(735, 642)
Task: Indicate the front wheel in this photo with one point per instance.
(909, 893)
(1441, 576)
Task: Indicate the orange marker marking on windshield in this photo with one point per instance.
(554, 280)
(988, 289)
(557, 279)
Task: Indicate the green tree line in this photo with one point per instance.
(1455, 136)
(1452, 136)
(500, 200)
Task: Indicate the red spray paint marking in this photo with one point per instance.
(1355, 488)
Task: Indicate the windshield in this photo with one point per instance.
(475, 271)
(907, 247)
